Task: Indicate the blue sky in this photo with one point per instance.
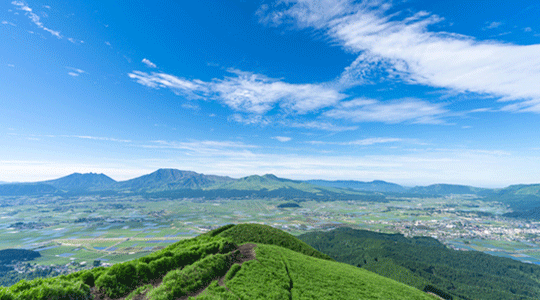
(413, 92)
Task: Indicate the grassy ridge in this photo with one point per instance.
(280, 273)
(255, 233)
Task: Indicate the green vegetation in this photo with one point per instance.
(255, 233)
(280, 273)
(423, 262)
(13, 255)
(196, 265)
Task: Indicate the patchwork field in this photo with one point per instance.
(79, 231)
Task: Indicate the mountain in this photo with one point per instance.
(373, 186)
(171, 179)
(450, 189)
(269, 182)
(78, 182)
(521, 197)
(247, 261)
(425, 263)
(27, 189)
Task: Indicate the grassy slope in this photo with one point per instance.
(189, 265)
(280, 273)
(255, 233)
(422, 261)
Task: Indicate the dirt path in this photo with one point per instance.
(246, 254)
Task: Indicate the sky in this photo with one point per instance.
(412, 92)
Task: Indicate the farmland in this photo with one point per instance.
(72, 233)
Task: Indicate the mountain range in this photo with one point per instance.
(189, 184)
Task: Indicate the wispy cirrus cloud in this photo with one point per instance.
(282, 139)
(419, 55)
(74, 72)
(320, 125)
(363, 142)
(35, 18)
(391, 112)
(247, 92)
(180, 86)
(148, 63)
(9, 23)
(492, 25)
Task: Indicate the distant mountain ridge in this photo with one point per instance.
(450, 189)
(171, 179)
(189, 184)
(78, 181)
(373, 186)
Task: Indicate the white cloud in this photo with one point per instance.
(75, 72)
(192, 106)
(34, 17)
(373, 141)
(247, 92)
(148, 63)
(99, 138)
(364, 142)
(320, 125)
(249, 119)
(11, 65)
(437, 59)
(282, 138)
(190, 88)
(391, 112)
(258, 94)
(9, 23)
(76, 42)
(527, 29)
(492, 25)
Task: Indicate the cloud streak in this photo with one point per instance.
(247, 92)
(437, 59)
(35, 18)
(390, 112)
(148, 63)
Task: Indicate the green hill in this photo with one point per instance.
(425, 263)
(232, 262)
(521, 197)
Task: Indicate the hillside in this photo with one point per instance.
(78, 182)
(170, 179)
(373, 186)
(449, 189)
(521, 197)
(424, 262)
(27, 189)
(233, 262)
